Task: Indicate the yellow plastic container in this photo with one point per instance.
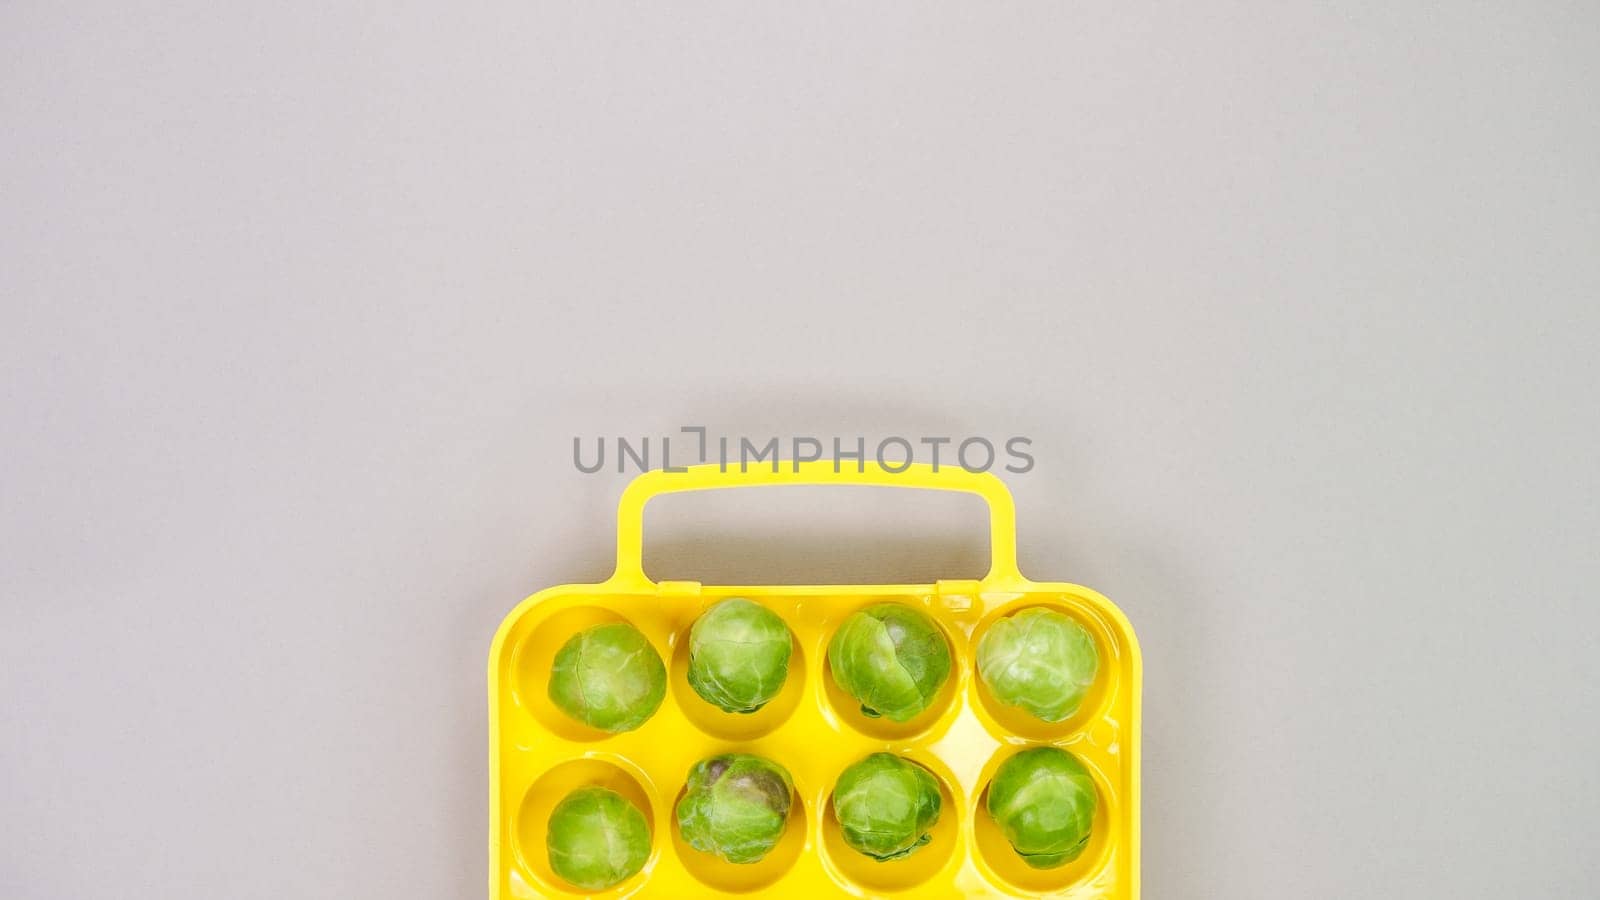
(537, 754)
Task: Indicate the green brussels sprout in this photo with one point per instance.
(597, 838)
(1040, 660)
(736, 806)
(886, 806)
(1043, 800)
(891, 658)
(608, 677)
(738, 655)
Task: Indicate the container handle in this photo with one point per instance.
(712, 476)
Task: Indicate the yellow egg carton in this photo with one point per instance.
(538, 754)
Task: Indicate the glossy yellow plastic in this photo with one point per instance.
(537, 754)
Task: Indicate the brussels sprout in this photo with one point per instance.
(736, 805)
(597, 838)
(891, 658)
(738, 655)
(608, 677)
(886, 806)
(1043, 800)
(1040, 660)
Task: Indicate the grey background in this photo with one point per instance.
(305, 302)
